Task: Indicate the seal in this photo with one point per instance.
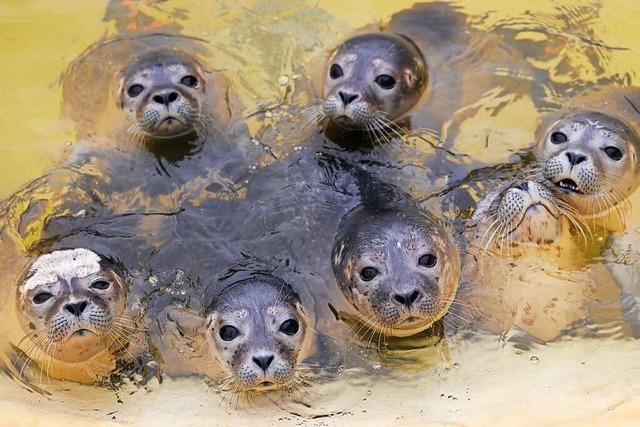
(373, 79)
(255, 331)
(588, 154)
(163, 96)
(525, 269)
(396, 264)
(72, 305)
(162, 86)
(412, 75)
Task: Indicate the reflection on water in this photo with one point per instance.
(266, 194)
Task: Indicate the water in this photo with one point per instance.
(470, 380)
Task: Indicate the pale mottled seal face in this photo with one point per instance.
(526, 212)
(71, 304)
(259, 334)
(399, 269)
(590, 160)
(373, 79)
(162, 95)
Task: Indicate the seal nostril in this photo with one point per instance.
(172, 97)
(76, 308)
(408, 298)
(158, 99)
(575, 159)
(263, 362)
(414, 296)
(347, 98)
(523, 186)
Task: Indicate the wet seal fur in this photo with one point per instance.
(73, 307)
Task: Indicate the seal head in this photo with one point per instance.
(72, 304)
(162, 95)
(526, 212)
(590, 160)
(259, 334)
(373, 79)
(398, 268)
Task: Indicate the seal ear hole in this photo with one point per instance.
(189, 81)
(290, 327)
(101, 285)
(335, 71)
(228, 333)
(428, 261)
(558, 137)
(368, 274)
(42, 297)
(614, 153)
(385, 81)
(135, 90)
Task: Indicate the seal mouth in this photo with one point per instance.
(345, 120)
(170, 120)
(568, 185)
(530, 208)
(265, 385)
(81, 333)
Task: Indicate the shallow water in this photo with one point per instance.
(480, 380)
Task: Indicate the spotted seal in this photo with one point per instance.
(588, 153)
(526, 269)
(72, 305)
(253, 336)
(395, 263)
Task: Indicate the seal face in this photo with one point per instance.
(259, 334)
(523, 213)
(373, 79)
(590, 160)
(397, 267)
(72, 304)
(162, 96)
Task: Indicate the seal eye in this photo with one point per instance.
(558, 137)
(385, 81)
(41, 297)
(428, 261)
(335, 71)
(229, 333)
(101, 285)
(368, 273)
(189, 81)
(290, 327)
(135, 90)
(613, 153)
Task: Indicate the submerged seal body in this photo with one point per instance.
(73, 308)
(424, 68)
(525, 269)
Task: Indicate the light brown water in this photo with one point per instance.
(256, 43)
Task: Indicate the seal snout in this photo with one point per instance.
(263, 362)
(407, 299)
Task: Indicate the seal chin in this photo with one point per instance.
(410, 326)
(82, 333)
